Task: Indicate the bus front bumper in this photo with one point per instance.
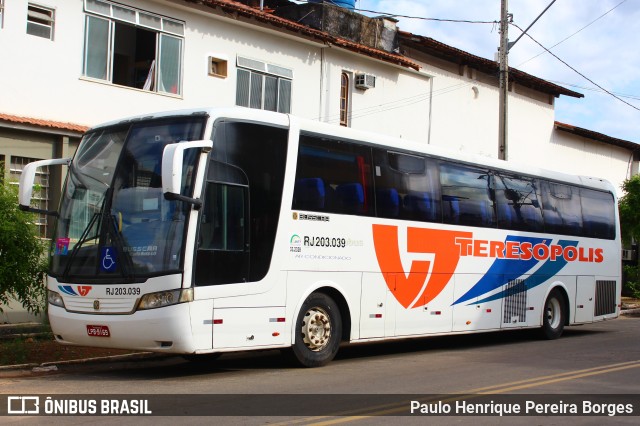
(166, 329)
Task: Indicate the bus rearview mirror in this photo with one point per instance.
(172, 165)
(27, 180)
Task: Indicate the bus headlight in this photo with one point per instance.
(165, 298)
(55, 299)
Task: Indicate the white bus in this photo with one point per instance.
(218, 230)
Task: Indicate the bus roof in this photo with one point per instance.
(402, 145)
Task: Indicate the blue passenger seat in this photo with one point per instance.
(350, 198)
(309, 194)
(388, 202)
(418, 205)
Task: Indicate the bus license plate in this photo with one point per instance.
(98, 331)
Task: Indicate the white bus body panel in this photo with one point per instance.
(166, 329)
(169, 331)
(308, 255)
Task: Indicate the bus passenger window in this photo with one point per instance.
(517, 203)
(467, 195)
(561, 208)
(598, 214)
(407, 186)
(333, 176)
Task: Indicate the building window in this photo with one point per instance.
(344, 99)
(40, 198)
(263, 86)
(133, 48)
(40, 21)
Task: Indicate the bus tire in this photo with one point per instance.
(318, 331)
(553, 316)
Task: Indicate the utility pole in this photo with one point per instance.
(504, 80)
(505, 46)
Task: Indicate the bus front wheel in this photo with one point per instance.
(318, 331)
(554, 315)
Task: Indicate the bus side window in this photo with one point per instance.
(517, 203)
(561, 208)
(407, 187)
(598, 214)
(467, 195)
(333, 176)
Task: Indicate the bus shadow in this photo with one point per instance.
(453, 342)
(174, 366)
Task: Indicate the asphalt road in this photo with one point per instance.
(601, 358)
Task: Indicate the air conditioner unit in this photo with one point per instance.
(627, 254)
(365, 81)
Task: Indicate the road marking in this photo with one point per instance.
(393, 408)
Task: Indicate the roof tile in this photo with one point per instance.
(43, 123)
(238, 9)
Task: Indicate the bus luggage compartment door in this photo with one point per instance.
(585, 292)
(249, 327)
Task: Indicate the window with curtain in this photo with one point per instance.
(132, 47)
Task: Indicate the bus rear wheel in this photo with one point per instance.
(318, 331)
(554, 315)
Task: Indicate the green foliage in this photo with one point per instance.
(22, 261)
(629, 206)
(632, 280)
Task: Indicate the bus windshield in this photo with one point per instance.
(115, 224)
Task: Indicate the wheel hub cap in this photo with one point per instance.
(316, 329)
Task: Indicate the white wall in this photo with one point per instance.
(46, 76)
(466, 119)
(578, 155)
(43, 79)
(398, 106)
(465, 116)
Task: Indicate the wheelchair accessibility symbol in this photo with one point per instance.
(109, 257)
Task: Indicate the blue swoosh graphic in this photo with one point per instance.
(67, 289)
(548, 270)
(503, 270)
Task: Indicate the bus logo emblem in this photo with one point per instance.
(83, 290)
(96, 305)
(426, 278)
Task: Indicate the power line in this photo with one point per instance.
(394, 15)
(398, 103)
(568, 37)
(593, 89)
(578, 72)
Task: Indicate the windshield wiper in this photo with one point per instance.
(106, 228)
(81, 177)
(83, 238)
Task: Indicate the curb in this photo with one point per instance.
(53, 365)
(631, 312)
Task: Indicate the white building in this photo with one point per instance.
(71, 64)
